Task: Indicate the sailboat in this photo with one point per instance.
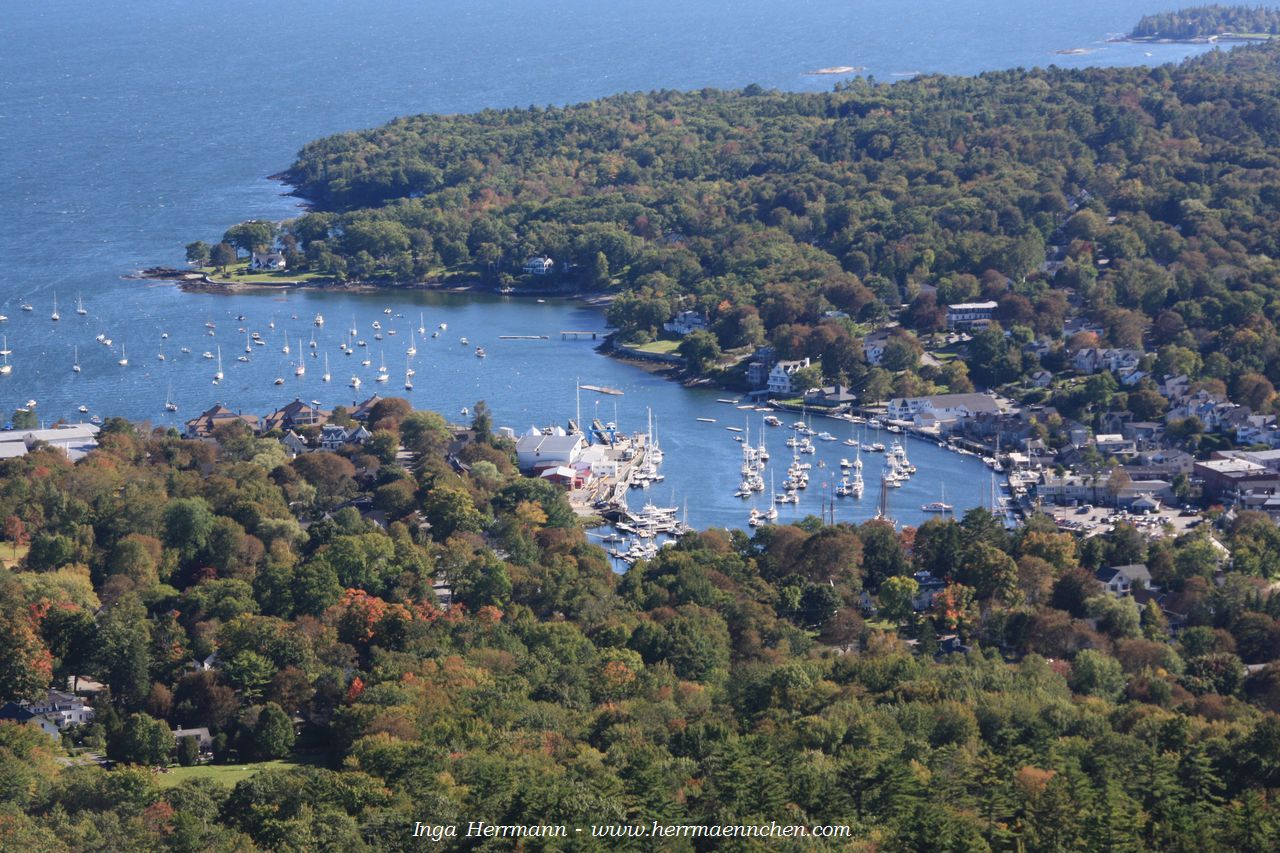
(301, 368)
(169, 405)
(939, 505)
(6, 368)
(313, 339)
(355, 381)
(326, 376)
(408, 376)
(55, 316)
(413, 345)
(382, 369)
(80, 306)
(217, 377)
(75, 360)
(285, 349)
(124, 359)
(422, 328)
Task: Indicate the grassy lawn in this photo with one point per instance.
(228, 774)
(7, 552)
(240, 273)
(660, 347)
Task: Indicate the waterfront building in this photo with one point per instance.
(780, 376)
(942, 407)
(267, 261)
(686, 322)
(203, 425)
(538, 449)
(538, 266)
(294, 415)
(75, 440)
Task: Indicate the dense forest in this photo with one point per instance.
(805, 219)
(1198, 22)
(289, 607)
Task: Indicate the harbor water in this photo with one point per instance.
(129, 130)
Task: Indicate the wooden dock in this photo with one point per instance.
(576, 335)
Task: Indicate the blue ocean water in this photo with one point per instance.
(128, 130)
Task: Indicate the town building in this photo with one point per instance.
(1231, 476)
(830, 397)
(539, 449)
(334, 437)
(1095, 359)
(295, 415)
(942, 407)
(203, 425)
(75, 440)
(970, 315)
(361, 411)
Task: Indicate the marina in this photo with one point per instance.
(521, 384)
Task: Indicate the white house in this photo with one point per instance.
(538, 266)
(686, 322)
(1120, 581)
(970, 315)
(780, 376)
(943, 407)
(334, 437)
(267, 261)
(1094, 359)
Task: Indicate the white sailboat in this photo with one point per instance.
(301, 368)
(80, 306)
(285, 349)
(124, 359)
(6, 368)
(75, 360)
(408, 376)
(939, 505)
(313, 339)
(55, 316)
(169, 405)
(355, 381)
(217, 377)
(413, 345)
(422, 328)
(326, 376)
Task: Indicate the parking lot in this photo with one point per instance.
(1092, 521)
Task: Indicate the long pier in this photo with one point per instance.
(575, 335)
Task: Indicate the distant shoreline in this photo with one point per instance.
(1214, 39)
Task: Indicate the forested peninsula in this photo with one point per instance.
(807, 220)
(1201, 23)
